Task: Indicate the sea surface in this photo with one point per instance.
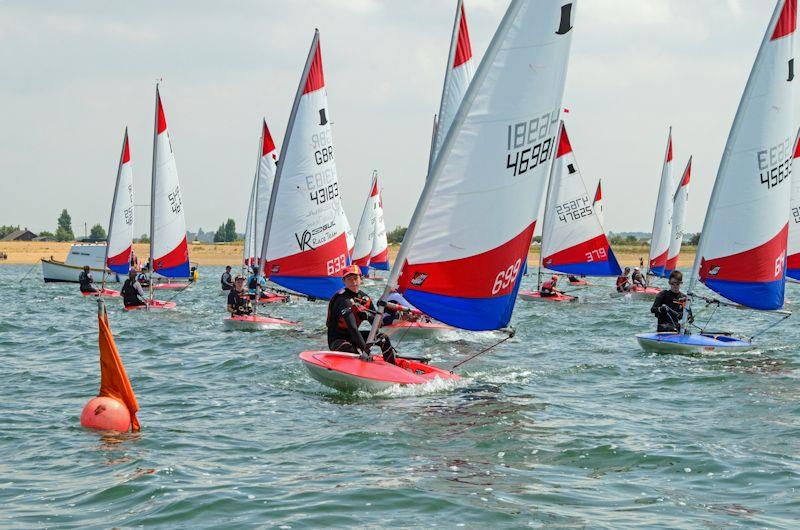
(567, 425)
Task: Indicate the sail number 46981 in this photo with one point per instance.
(506, 277)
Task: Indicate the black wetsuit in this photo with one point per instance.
(668, 309)
(346, 311)
(86, 281)
(226, 282)
(132, 294)
(239, 302)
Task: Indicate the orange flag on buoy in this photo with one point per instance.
(114, 381)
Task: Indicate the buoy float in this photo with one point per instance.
(106, 413)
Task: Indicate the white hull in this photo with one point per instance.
(266, 324)
(649, 342)
(57, 271)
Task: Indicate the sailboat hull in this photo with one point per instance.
(535, 296)
(347, 373)
(671, 342)
(257, 323)
(639, 293)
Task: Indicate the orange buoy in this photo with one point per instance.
(106, 413)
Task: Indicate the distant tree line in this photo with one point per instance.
(226, 233)
(396, 235)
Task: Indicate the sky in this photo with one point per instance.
(76, 73)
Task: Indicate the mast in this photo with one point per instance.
(252, 210)
(114, 207)
(547, 202)
(153, 194)
(434, 130)
(284, 148)
(436, 170)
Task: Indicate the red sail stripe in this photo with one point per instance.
(162, 120)
(564, 146)
(126, 151)
(315, 79)
(268, 145)
(787, 22)
(759, 264)
(463, 46)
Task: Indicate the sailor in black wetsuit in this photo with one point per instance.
(132, 293)
(86, 281)
(347, 309)
(226, 280)
(669, 303)
(238, 300)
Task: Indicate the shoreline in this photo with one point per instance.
(216, 254)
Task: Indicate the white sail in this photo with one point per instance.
(662, 220)
(742, 249)
(120, 225)
(362, 251)
(379, 256)
(472, 227)
(793, 245)
(679, 202)
(169, 253)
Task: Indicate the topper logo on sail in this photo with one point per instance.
(419, 278)
(530, 143)
(775, 163)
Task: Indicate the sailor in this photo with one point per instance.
(573, 279)
(255, 281)
(404, 312)
(132, 293)
(347, 309)
(548, 288)
(623, 282)
(238, 301)
(226, 280)
(669, 303)
(86, 280)
(142, 278)
(134, 260)
(637, 279)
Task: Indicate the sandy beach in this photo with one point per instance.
(206, 254)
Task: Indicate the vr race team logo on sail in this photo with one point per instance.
(775, 163)
(529, 143)
(312, 238)
(575, 209)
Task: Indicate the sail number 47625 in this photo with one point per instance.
(506, 277)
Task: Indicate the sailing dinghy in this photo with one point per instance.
(679, 203)
(573, 239)
(379, 255)
(742, 250)
(362, 249)
(461, 258)
(169, 253)
(119, 243)
(662, 220)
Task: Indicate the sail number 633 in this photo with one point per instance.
(336, 264)
(506, 277)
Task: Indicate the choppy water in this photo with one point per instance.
(568, 425)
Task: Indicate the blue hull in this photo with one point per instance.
(699, 343)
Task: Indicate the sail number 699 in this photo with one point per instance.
(506, 277)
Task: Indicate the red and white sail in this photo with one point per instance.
(459, 72)
(379, 257)
(679, 202)
(259, 197)
(169, 253)
(793, 245)
(598, 203)
(348, 231)
(305, 242)
(662, 221)
(362, 251)
(573, 240)
(461, 259)
(742, 250)
(120, 224)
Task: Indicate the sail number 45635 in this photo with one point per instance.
(506, 277)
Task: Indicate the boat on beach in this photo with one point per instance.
(80, 254)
